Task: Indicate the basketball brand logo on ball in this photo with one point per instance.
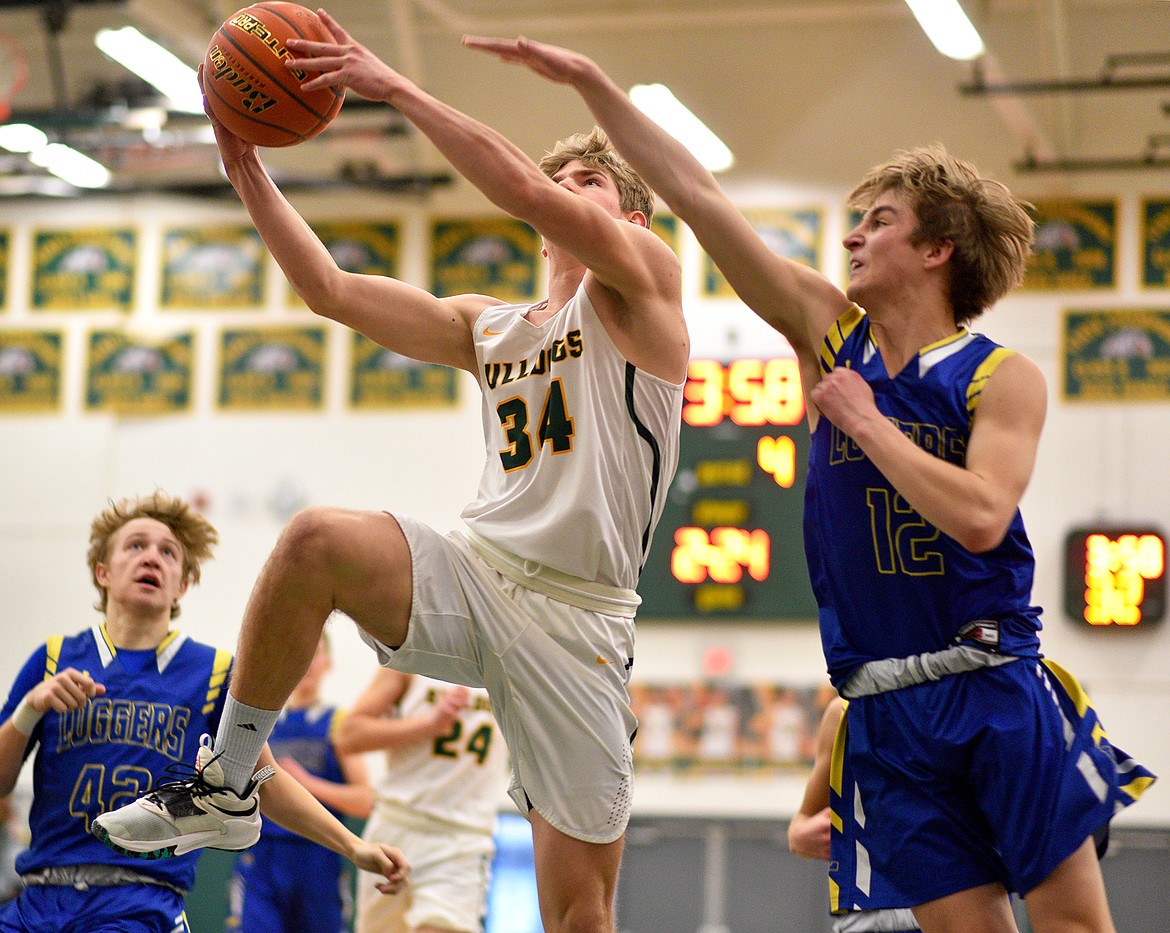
(250, 89)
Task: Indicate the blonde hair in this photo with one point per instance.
(195, 534)
(989, 228)
(595, 150)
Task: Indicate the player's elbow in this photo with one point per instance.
(364, 805)
(356, 734)
(983, 532)
(692, 197)
(323, 293)
(345, 740)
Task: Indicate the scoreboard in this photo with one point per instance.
(730, 545)
(1115, 576)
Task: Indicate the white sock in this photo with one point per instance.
(243, 730)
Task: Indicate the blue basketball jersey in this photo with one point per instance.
(306, 736)
(157, 704)
(888, 583)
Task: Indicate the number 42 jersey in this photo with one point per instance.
(117, 747)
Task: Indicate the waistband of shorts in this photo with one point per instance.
(403, 815)
(888, 674)
(888, 920)
(563, 587)
(87, 876)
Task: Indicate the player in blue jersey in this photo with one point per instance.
(971, 766)
(535, 599)
(286, 883)
(810, 831)
(115, 711)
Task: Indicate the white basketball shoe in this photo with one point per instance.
(178, 817)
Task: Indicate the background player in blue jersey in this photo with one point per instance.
(286, 883)
(811, 829)
(970, 766)
(111, 712)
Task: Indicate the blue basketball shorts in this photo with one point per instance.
(995, 775)
(125, 908)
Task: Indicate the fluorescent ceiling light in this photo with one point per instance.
(154, 65)
(21, 137)
(70, 165)
(947, 26)
(63, 161)
(661, 106)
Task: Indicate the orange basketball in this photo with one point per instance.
(250, 89)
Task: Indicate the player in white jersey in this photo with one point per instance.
(583, 396)
(446, 770)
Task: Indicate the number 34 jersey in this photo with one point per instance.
(581, 444)
(459, 777)
(156, 705)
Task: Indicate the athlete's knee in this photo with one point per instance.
(584, 921)
(312, 534)
(584, 914)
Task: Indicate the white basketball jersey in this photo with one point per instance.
(460, 777)
(581, 445)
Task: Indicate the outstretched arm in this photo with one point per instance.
(794, 299)
(623, 257)
(396, 315)
(353, 796)
(285, 801)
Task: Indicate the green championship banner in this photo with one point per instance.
(362, 248)
(135, 376)
(1156, 243)
(1075, 246)
(30, 371)
(212, 267)
(272, 369)
(666, 226)
(795, 234)
(493, 256)
(1116, 356)
(382, 379)
(79, 270)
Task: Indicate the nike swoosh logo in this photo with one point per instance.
(252, 809)
(488, 332)
(601, 660)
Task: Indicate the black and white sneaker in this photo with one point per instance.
(178, 817)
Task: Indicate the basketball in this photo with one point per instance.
(248, 86)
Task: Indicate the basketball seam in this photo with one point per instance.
(337, 95)
(244, 53)
(292, 25)
(230, 44)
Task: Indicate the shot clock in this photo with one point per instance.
(730, 541)
(1115, 577)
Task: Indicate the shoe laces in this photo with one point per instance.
(189, 782)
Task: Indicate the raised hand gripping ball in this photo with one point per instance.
(250, 89)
